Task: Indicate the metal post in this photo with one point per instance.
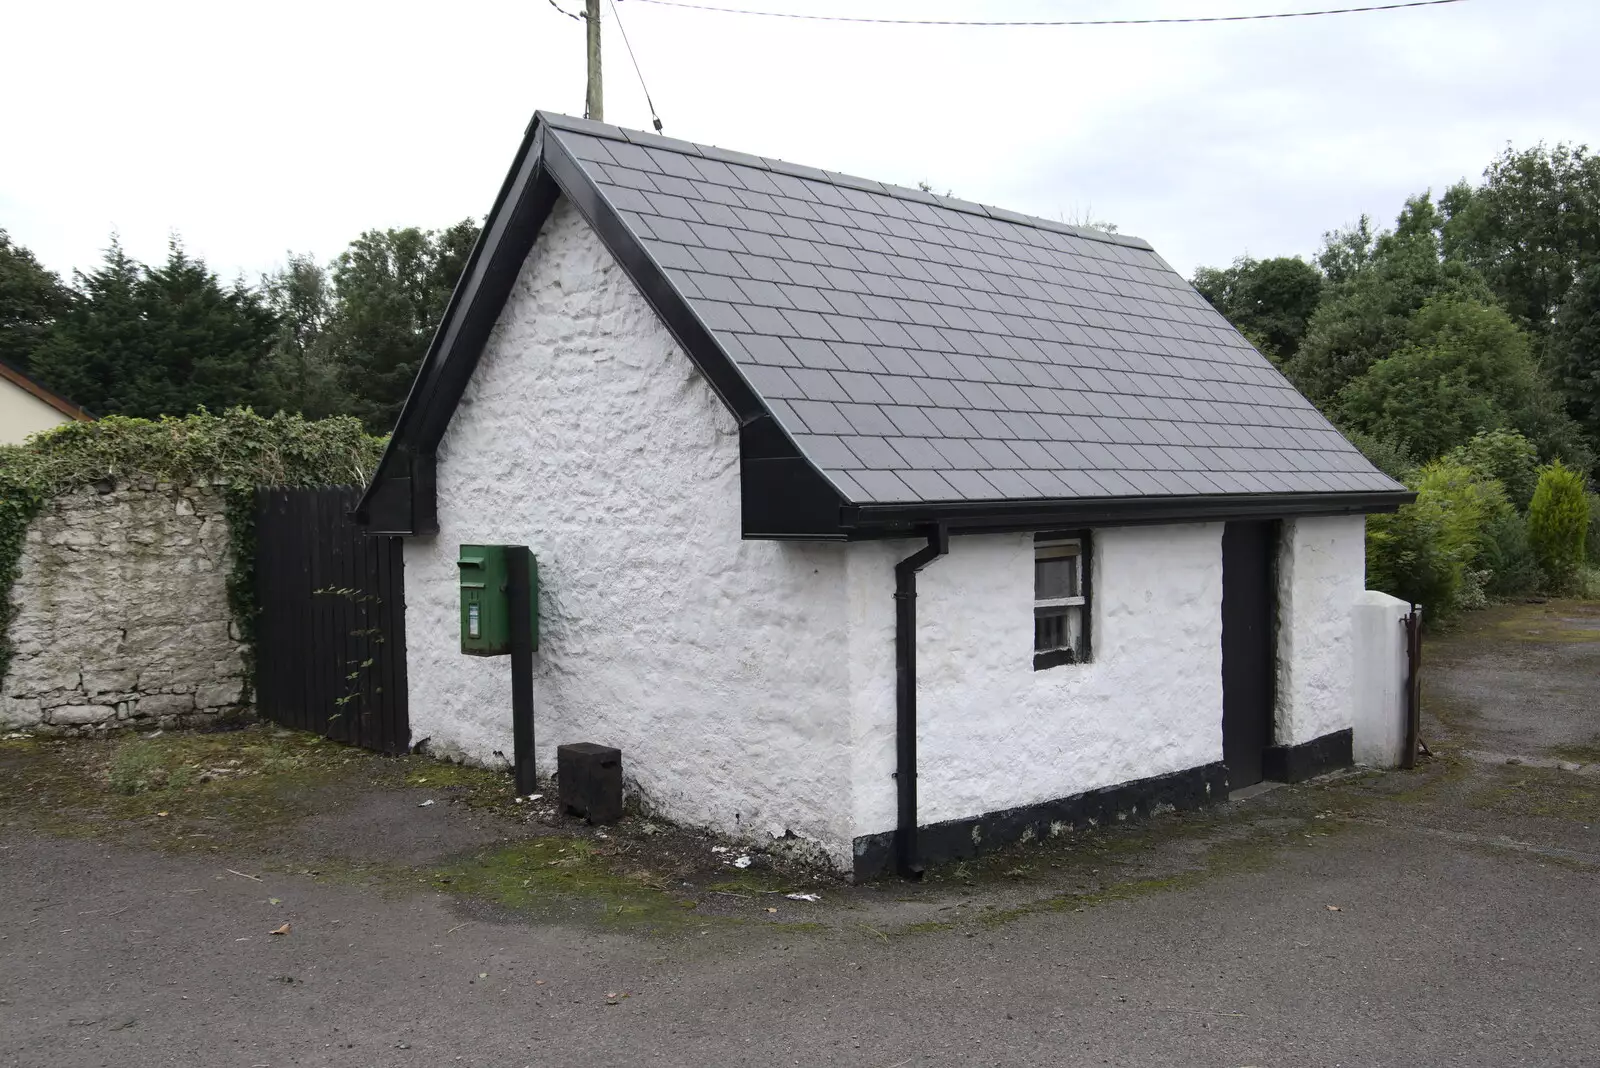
(594, 104)
(518, 604)
(1413, 625)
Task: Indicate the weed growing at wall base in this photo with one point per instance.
(236, 451)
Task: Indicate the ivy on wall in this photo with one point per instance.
(235, 451)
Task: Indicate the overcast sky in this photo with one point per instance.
(256, 129)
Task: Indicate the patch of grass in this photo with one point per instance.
(562, 877)
(750, 882)
(1547, 793)
(1587, 753)
(219, 788)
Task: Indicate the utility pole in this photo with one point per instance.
(594, 104)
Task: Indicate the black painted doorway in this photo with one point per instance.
(1249, 647)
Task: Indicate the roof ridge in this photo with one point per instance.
(610, 132)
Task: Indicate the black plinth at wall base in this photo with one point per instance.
(955, 839)
(1297, 763)
(591, 781)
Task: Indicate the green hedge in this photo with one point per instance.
(237, 450)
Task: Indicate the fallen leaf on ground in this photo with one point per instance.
(803, 897)
(280, 930)
(483, 975)
(426, 803)
(1333, 908)
(772, 910)
(741, 862)
(163, 813)
(274, 900)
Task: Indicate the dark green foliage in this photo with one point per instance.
(1269, 301)
(1558, 524)
(148, 342)
(1591, 541)
(1507, 557)
(1574, 352)
(392, 287)
(1465, 368)
(1423, 552)
(31, 298)
(238, 449)
(1507, 456)
(1530, 228)
(1376, 284)
(302, 370)
(1387, 455)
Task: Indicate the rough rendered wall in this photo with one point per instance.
(122, 612)
(1321, 573)
(717, 665)
(994, 733)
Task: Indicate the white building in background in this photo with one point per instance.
(26, 407)
(884, 521)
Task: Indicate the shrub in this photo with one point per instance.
(1558, 521)
(1507, 456)
(1507, 557)
(1422, 553)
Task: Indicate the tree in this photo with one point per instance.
(1574, 351)
(147, 342)
(31, 298)
(1558, 522)
(1465, 368)
(1504, 455)
(1530, 228)
(1375, 286)
(1269, 301)
(302, 371)
(392, 287)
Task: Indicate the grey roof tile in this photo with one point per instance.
(1002, 356)
(867, 418)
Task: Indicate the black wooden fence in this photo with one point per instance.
(330, 639)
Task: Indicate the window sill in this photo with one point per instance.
(1055, 658)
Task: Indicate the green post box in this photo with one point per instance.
(485, 606)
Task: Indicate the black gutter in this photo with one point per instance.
(907, 857)
(960, 517)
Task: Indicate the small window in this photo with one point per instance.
(1060, 600)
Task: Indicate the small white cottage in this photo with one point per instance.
(885, 521)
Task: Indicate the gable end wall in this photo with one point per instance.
(717, 665)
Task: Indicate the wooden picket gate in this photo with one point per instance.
(330, 637)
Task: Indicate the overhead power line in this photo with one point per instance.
(1052, 22)
(617, 15)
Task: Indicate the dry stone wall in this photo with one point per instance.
(122, 616)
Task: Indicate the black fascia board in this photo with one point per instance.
(680, 320)
(520, 209)
(972, 517)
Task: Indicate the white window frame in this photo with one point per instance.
(1055, 547)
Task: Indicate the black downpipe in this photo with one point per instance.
(907, 858)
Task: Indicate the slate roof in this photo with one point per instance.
(921, 348)
(898, 362)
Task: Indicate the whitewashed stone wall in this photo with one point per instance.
(1321, 572)
(122, 615)
(993, 732)
(717, 665)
